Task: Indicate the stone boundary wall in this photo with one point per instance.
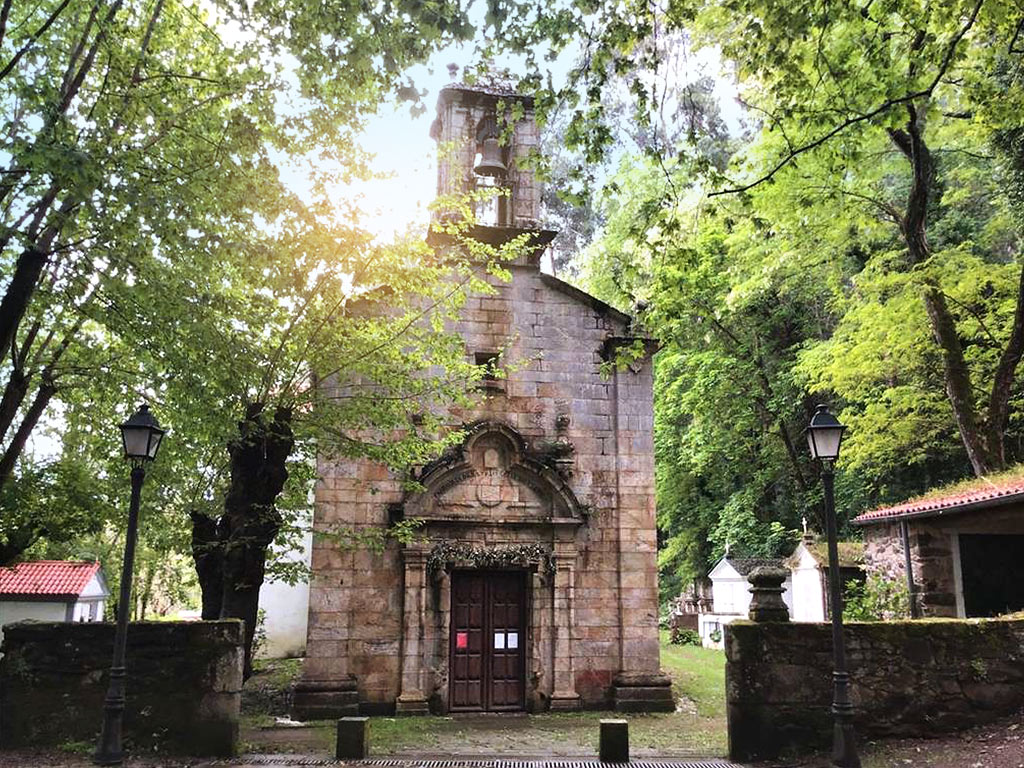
(906, 679)
(184, 685)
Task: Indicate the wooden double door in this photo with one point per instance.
(488, 641)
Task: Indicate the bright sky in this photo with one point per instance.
(406, 155)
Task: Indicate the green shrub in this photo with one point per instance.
(684, 637)
(876, 599)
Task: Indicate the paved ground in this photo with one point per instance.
(278, 761)
(51, 759)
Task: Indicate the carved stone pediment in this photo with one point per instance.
(495, 476)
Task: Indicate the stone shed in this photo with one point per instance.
(965, 546)
(532, 584)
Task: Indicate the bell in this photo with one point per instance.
(491, 163)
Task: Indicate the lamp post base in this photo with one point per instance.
(109, 750)
(111, 759)
(844, 746)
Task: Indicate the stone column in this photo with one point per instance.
(564, 695)
(412, 699)
(540, 672)
(640, 686)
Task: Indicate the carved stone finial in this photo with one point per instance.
(766, 587)
(453, 71)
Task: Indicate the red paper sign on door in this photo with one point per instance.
(462, 639)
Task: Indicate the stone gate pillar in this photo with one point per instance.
(412, 699)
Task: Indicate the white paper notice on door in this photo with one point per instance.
(499, 641)
(513, 640)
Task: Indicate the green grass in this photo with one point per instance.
(697, 673)
(266, 692)
(279, 673)
(77, 747)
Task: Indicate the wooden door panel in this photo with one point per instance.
(466, 664)
(506, 623)
(488, 641)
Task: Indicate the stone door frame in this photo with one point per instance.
(550, 680)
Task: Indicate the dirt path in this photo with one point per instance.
(997, 745)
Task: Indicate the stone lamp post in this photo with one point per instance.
(141, 436)
(824, 435)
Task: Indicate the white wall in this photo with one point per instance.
(88, 610)
(286, 608)
(808, 588)
(732, 595)
(12, 611)
(92, 601)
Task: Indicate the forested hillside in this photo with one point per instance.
(855, 241)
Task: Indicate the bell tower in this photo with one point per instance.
(485, 134)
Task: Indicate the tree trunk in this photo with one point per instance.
(15, 544)
(251, 521)
(27, 270)
(981, 433)
(20, 439)
(959, 390)
(208, 556)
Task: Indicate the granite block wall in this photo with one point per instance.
(184, 684)
(553, 342)
(906, 679)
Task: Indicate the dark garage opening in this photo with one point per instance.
(992, 566)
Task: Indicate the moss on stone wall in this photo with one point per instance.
(907, 678)
(183, 687)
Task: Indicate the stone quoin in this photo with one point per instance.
(532, 583)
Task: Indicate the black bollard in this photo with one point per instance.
(353, 738)
(614, 746)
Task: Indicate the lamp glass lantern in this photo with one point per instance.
(824, 435)
(141, 436)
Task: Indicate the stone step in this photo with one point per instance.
(310, 711)
(320, 700)
(644, 698)
(643, 692)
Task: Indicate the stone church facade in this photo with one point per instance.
(532, 583)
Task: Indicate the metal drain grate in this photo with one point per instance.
(413, 763)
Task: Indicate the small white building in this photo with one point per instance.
(808, 567)
(52, 590)
(806, 586)
(730, 595)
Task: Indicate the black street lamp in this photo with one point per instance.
(141, 436)
(824, 434)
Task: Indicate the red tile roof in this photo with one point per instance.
(995, 493)
(49, 578)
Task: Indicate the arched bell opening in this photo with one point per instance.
(491, 175)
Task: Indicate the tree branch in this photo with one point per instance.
(851, 121)
(999, 400)
(32, 38)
